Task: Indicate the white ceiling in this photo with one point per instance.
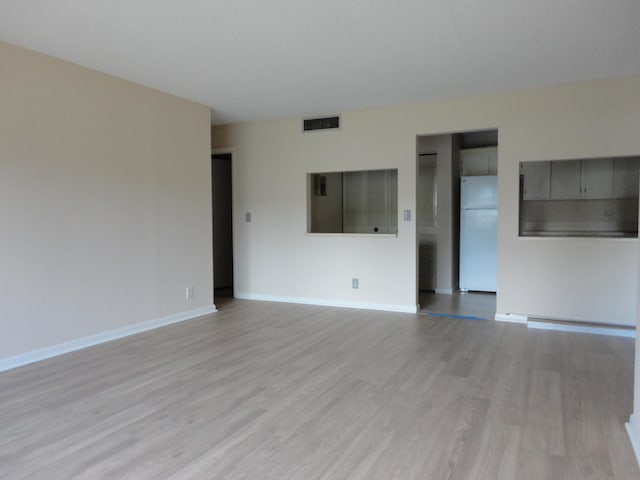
(251, 60)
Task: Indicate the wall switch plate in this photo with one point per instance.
(247, 217)
(406, 214)
(189, 292)
(355, 283)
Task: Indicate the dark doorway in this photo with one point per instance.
(222, 198)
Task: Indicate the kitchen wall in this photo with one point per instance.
(105, 204)
(447, 208)
(426, 220)
(616, 216)
(582, 279)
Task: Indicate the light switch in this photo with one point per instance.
(406, 215)
(247, 217)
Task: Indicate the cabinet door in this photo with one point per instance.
(625, 177)
(597, 178)
(479, 161)
(535, 180)
(565, 179)
(474, 161)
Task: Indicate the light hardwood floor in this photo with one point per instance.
(470, 304)
(271, 391)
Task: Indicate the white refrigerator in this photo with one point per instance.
(478, 232)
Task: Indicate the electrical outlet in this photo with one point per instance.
(189, 292)
(406, 214)
(355, 283)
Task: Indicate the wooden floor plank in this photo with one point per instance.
(273, 391)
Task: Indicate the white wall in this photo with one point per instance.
(105, 203)
(585, 279)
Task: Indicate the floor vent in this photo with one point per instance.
(321, 123)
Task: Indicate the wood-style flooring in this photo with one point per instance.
(272, 391)
(468, 304)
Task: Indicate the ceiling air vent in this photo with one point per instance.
(321, 123)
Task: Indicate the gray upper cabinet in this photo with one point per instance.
(575, 179)
(479, 161)
(565, 180)
(535, 180)
(625, 177)
(597, 178)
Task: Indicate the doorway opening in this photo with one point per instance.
(452, 269)
(222, 208)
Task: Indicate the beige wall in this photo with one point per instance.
(105, 203)
(584, 279)
(447, 207)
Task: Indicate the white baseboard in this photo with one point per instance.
(582, 328)
(634, 435)
(9, 363)
(511, 318)
(387, 307)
